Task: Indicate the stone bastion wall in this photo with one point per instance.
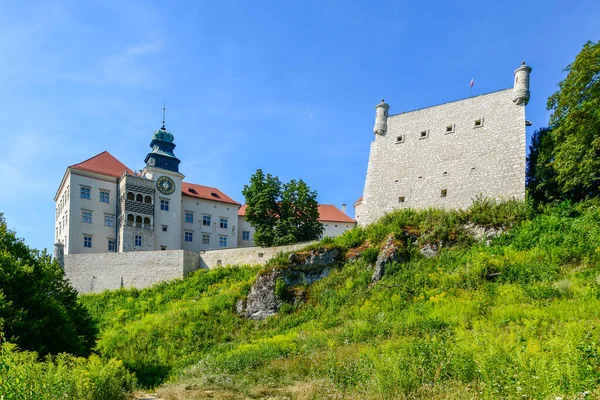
(108, 271)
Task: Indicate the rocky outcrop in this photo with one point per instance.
(483, 233)
(388, 254)
(305, 268)
(430, 250)
(262, 300)
(320, 256)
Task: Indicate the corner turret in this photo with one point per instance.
(381, 114)
(521, 87)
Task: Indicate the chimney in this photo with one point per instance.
(344, 208)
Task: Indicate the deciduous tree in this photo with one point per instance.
(575, 124)
(38, 307)
(281, 213)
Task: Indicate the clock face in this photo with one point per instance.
(165, 185)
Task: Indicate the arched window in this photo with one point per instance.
(146, 222)
(148, 200)
(139, 198)
(138, 221)
(130, 219)
(130, 196)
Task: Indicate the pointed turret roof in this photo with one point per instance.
(104, 164)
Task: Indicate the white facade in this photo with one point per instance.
(208, 224)
(81, 214)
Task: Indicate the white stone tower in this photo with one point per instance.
(521, 86)
(381, 115)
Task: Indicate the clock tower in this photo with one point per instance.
(162, 167)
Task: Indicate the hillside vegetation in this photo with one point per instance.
(515, 316)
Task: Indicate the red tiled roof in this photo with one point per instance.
(359, 200)
(327, 212)
(205, 192)
(104, 164)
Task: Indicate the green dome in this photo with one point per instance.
(162, 134)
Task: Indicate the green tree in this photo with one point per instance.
(39, 309)
(575, 124)
(281, 213)
(541, 177)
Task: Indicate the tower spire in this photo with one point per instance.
(164, 110)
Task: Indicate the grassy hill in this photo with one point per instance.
(516, 316)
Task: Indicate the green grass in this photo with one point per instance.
(24, 376)
(431, 328)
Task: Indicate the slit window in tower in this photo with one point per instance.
(400, 139)
(450, 128)
(401, 199)
(444, 193)
(478, 123)
(424, 134)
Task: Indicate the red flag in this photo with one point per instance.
(471, 85)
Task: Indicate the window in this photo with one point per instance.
(85, 193)
(444, 193)
(223, 223)
(189, 236)
(138, 221)
(139, 198)
(148, 200)
(86, 217)
(206, 220)
(424, 134)
(401, 199)
(400, 139)
(205, 238)
(164, 205)
(478, 123)
(163, 247)
(87, 241)
(112, 245)
(104, 196)
(164, 228)
(130, 196)
(138, 240)
(222, 241)
(245, 235)
(109, 220)
(189, 217)
(450, 128)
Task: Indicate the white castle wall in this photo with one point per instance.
(469, 161)
(244, 255)
(139, 269)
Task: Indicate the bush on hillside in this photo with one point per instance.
(39, 309)
(22, 376)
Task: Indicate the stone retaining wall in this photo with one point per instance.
(140, 269)
(101, 271)
(244, 255)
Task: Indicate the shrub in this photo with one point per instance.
(22, 376)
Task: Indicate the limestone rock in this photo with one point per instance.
(320, 256)
(482, 233)
(305, 268)
(389, 253)
(430, 250)
(240, 307)
(262, 300)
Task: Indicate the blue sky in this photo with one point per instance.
(289, 87)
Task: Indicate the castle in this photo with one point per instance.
(445, 156)
(103, 206)
(442, 156)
